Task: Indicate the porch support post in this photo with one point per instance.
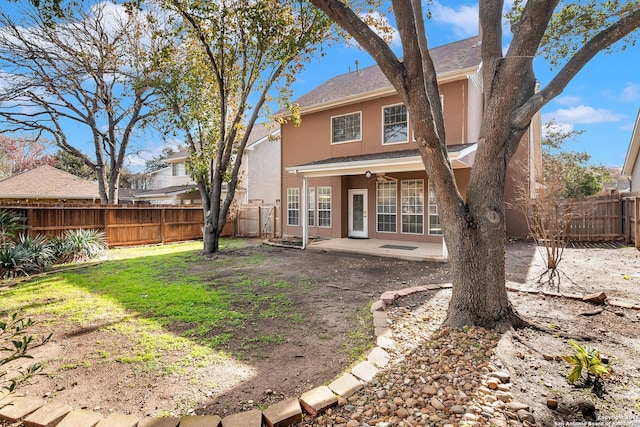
(445, 251)
(303, 214)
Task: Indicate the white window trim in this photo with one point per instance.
(423, 207)
(299, 207)
(429, 187)
(311, 208)
(324, 210)
(378, 213)
(359, 113)
(408, 126)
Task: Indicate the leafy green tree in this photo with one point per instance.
(578, 178)
(236, 55)
(570, 33)
(68, 162)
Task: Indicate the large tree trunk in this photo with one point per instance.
(479, 296)
(210, 235)
(476, 241)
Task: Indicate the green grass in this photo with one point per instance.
(160, 299)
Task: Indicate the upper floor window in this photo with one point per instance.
(395, 124)
(346, 128)
(178, 169)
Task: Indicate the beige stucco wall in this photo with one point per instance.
(311, 141)
(261, 175)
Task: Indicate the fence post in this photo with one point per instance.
(273, 214)
(636, 222)
(105, 223)
(163, 224)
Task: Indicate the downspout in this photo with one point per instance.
(303, 216)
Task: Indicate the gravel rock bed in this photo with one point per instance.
(436, 377)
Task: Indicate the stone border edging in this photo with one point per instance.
(36, 412)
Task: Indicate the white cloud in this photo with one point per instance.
(557, 128)
(584, 114)
(464, 19)
(568, 100)
(630, 93)
(629, 127)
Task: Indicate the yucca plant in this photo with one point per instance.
(14, 261)
(11, 224)
(586, 360)
(80, 245)
(39, 249)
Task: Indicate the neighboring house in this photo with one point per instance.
(631, 168)
(260, 170)
(363, 174)
(259, 174)
(47, 184)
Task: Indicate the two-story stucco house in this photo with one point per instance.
(351, 169)
(259, 174)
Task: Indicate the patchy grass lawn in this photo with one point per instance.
(144, 292)
(159, 318)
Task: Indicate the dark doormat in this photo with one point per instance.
(404, 248)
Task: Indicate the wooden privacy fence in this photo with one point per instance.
(604, 218)
(630, 223)
(594, 219)
(123, 225)
(130, 225)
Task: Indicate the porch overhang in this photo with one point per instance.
(461, 156)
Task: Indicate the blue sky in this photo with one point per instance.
(603, 100)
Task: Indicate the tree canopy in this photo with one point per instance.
(87, 75)
(233, 57)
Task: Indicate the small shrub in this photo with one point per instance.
(15, 343)
(14, 261)
(11, 224)
(80, 245)
(586, 359)
(39, 249)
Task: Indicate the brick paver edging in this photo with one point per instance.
(35, 412)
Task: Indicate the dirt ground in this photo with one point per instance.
(340, 287)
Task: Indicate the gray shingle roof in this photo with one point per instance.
(447, 58)
(47, 182)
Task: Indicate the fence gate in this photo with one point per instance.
(257, 221)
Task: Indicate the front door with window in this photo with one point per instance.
(358, 213)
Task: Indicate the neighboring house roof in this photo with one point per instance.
(47, 182)
(165, 192)
(178, 155)
(634, 148)
(460, 56)
(460, 155)
(261, 133)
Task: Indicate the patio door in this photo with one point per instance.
(358, 213)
